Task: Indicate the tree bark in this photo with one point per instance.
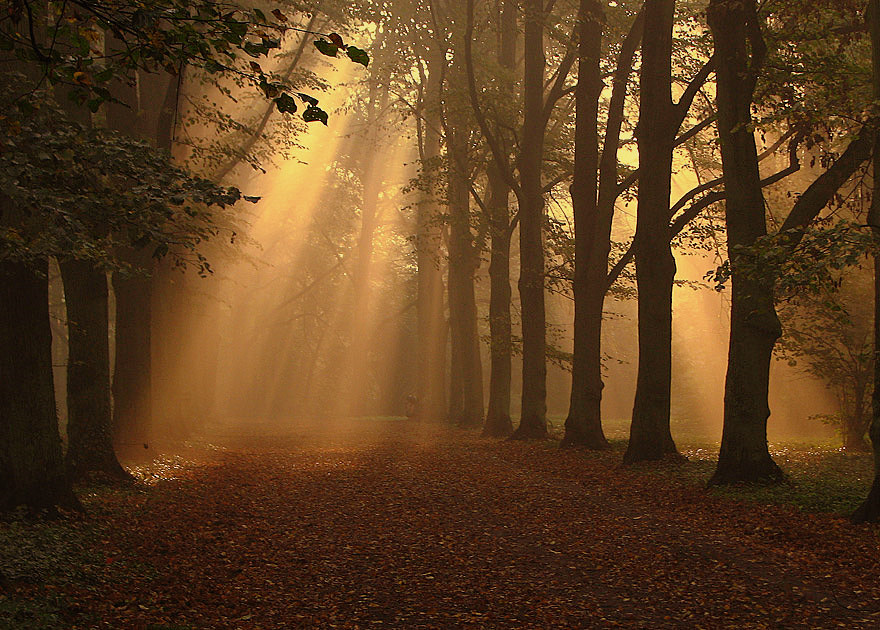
(32, 469)
(854, 436)
(89, 407)
(89, 402)
(583, 426)
(498, 422)
(650, 435)
(869, 510)
(431, 324)
(466, 398)
(754, 325)
(533, 418)
(132, 374)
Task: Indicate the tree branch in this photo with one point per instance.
(678, 223)
(502, 160)
(557, 90)
(687, 98)
(633, 177)
(823, 188)
(267, 114)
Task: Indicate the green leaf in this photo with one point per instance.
(105, 75)
(271, 90)
(357, 55)
(286, 104)
(213, 67)
(313, 113)
(326, 48)
(239, 28)
(255, 50)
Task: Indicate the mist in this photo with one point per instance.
(311, 307)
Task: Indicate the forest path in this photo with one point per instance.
(393, 524)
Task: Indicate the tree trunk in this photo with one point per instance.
(754, 326)
(431, 384)
(650, 435)
(583, 426)
(32, 471)
(466, 399)
(132, 374)
(869, 510)
(498, 422)
(854, 435)
(855, 415)
(533, 419)
(588, 354)
(89, 407)
(31, 462)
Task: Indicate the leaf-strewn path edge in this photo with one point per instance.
(403, 525)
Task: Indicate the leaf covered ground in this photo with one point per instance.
(385, 523)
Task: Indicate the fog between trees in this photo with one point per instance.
(514, 219)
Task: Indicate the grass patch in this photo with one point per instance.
(821, 476)
(45, 613)
(818, 480)
(39, 559)
(46, 564)
(41, 552)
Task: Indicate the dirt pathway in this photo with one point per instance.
(387, 524)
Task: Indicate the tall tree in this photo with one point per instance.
(533, 416)
(869, 510)
(466, 391)
(31, 463)
(431, 323)
(89, 403)
(538, 106)
(133, 289)
(89, 407)
(32, 470)
(660, 120)
(497, 113)
(650, 436)
(755, 326)
(583, 425)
